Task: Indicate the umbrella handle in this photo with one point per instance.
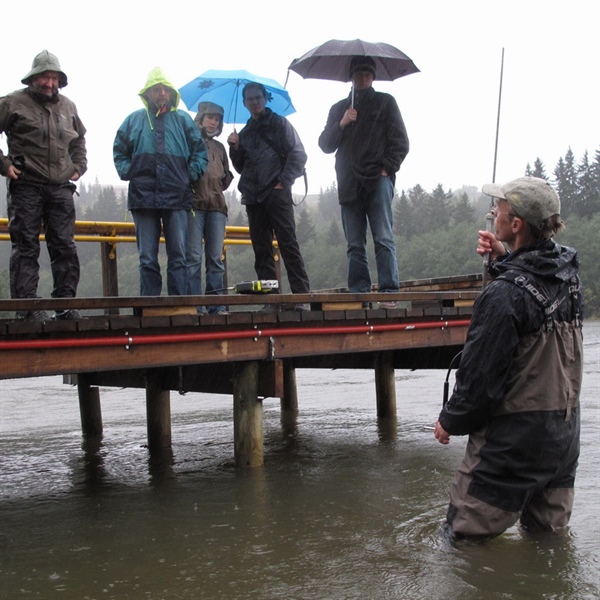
(352, 105)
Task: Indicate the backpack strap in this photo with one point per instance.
(280, 148)
(569, 290)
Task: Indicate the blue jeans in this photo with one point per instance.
(376, 208)
(147, 230)
(210, 227)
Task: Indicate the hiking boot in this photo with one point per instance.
(269, 309)
(67, 315)
(388, 305)
(33, 315)
(301, 307)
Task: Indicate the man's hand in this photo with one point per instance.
(12, 172)
(349, 117)
(233, 140)
(487, 242)
(440, 434)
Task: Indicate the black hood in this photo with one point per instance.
(545, 260)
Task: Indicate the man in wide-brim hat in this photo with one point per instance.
(46, 154)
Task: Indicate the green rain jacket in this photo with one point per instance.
(160, 154)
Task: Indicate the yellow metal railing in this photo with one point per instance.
(115, 232)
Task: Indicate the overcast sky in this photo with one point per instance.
(551, 81)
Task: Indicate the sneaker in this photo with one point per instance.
(269, 309)
(67, 315)
(33, 315)
(388, 305)
(221, 312)
(302, 307)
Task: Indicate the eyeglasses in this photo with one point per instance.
(495, 212)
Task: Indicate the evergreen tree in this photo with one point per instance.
(305, 230)
(565, 175)
(328, 205)
(588, 189)
(438, 209)
(463, 211)
(418, 199)
(539, 170)
(403, 217)
(334, 234)
(107, 207)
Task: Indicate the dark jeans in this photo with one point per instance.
(276, 215)
(29, 207)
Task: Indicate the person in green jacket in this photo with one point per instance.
(46, 154)
(160, 151)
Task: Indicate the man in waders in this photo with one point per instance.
(517, 388)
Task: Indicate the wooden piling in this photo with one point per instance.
(247, 416)
(110, 276)
(158, 411)
(289, 401)
(89, 407)
(385, 385)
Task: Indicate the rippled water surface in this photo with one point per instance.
(344, 507)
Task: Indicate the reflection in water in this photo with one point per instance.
(345, 507)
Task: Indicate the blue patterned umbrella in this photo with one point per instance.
(225, 88)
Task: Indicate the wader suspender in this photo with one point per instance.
(283, 157)
(570, 289)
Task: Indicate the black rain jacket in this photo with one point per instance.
(517, 388)
(376, 140)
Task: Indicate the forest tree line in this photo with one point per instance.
(436, 233)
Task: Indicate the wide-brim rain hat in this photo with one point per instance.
(46, 61)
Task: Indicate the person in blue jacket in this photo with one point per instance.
(160, 151)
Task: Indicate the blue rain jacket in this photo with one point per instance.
(160, 154)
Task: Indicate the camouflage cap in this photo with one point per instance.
(531, 198)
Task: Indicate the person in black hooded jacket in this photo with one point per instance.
(517, 387)
(367, 133)
(269, 156)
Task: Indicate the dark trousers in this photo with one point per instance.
(275, 215)
(29, 207)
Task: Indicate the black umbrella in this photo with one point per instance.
(331, 60)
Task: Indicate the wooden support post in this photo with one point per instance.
(110, 276)
(289, 400)
(247, 416)
(385, 385)
(158, 411)
(89, 407)
(277, 258)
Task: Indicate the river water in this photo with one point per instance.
(344, 508)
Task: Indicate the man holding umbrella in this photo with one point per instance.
(367, 133)
(269, 156)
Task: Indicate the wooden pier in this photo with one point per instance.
(162, 344)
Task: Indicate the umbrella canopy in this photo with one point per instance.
(225, 88)
(331, 60)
